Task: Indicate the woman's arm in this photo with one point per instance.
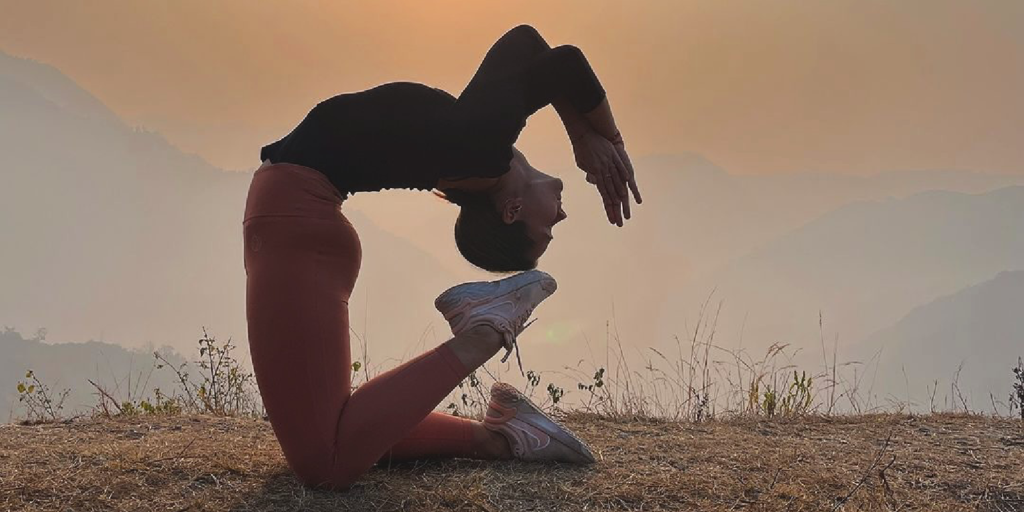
(563, 77)
(523, 63)
(521, 74)
(599, 120)
(595, 138)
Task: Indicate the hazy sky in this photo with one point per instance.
(757, 87)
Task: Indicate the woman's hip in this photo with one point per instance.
(285, 189)
(293, 220)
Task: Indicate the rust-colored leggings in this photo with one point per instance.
(302, 257)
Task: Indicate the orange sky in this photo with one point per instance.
(757, 87)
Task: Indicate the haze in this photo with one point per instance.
(861, 160)
(758, 87)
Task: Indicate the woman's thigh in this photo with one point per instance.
(300, 272)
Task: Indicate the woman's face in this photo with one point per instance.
(536, 199)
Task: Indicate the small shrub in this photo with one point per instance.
(41, 404)
(594, 389)
(1017, 395)
(225, 389)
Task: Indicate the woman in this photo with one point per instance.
(302, 257)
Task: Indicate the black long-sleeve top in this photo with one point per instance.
(409, 135)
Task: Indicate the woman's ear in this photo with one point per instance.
(511, 210)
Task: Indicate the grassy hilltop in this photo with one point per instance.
(762, 438)
(870, 462)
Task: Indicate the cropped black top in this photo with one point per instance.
(409, 135)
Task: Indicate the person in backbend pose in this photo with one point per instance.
(302, 257)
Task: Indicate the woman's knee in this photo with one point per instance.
(324, 474)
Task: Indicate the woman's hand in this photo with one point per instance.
(608, 167)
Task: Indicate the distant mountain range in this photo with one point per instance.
(117, 235)
(53, 86)
(866, 264)
(112, 234)
(762, 243)
(980, 327)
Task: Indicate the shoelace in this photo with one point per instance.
(515, 338)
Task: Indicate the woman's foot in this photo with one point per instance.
(505, 304)
(531, 434)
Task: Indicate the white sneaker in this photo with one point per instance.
(505, 304)
(531, 434)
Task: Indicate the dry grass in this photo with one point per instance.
(870, 462)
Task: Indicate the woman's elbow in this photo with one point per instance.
(571, 57)
(525, 31)
(527, 34)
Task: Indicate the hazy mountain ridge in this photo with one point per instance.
(702, 229)
(96, 207)
(730, 215)
(696, 222)
(979, 326)
(53, 85)
(121, 235)
(866, 264)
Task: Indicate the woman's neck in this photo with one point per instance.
(475, 185)
(491, 186)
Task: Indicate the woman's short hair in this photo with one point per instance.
(484, 239)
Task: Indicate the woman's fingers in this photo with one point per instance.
(611, 206)
(625, 171)
(636, 190)
(625, 207)
(621, 150)
(616, 174)
(613, 178)
(599, 183)
(624, 174)
(611, 173)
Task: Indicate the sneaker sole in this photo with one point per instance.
(508, 394)
(461, 298)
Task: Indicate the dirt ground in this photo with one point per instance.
(880, 462)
